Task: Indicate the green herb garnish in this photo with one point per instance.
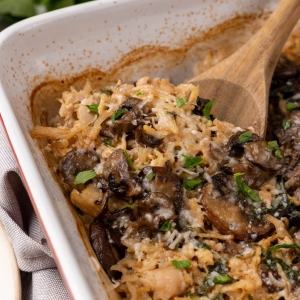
(250, 297)
(245, 137)
(92, 92)
(207, 108)
(166, 226)
(107, 92)
(108, 142)
(223, 279)
(130, 163)
(202, 245)
(274, 146)
(181, 101)
(287, 246)
(93, 107)
(150, 175)
(192, 161)
(117, 114)
(272, 262)
(84, 176)
(128, 205)
(181, 264)
(190, 184)
(139, 93)
(291, 106)
(286, 124)
(244, 188)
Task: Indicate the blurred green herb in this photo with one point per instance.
(207, 109)
(16, 10)
(245, 137)
(84, 176)
(93, 108)
(286, 124)
(166, 226)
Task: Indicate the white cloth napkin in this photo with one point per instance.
(39, 275)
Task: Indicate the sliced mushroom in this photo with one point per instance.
(261, 155)
(230, 218)
(145, 139)
(104, 250)
(116, 212)
(154, 209)
(120, 180)
(288, 136)
(236, 147)
(253, 175)
(126, 123)
(164, 181)
(199, 106)
(77, 161)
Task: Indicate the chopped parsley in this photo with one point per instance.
(117, 114)
(130, 163)
(223, 279)
(291, 106)
(107, 92)
(274, 146)
(190, 184)
(93, 108)
(181, 264)
(244, 188)
(150, 175)
(207, 109)
(202, 245)
(286, 124)
(108, 142)
(84, 176)
(286, 246)
(128, 205)
(139, 93)
(92, 92)
(272, 262)
(181, 101)
(245, 137)
(192, 161)
(166, 226)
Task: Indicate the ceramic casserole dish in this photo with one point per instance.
(115, 40)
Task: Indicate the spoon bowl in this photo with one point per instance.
(241, 83)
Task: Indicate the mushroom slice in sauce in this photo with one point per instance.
(120, 179)
(236, 147)
(292, 133)
(253, 176)
(154, 209)
(104, 250)
(77, 161)
(229, 218)
(259, 154)
(145, 139)
(126, 123)
(199, 106)
(164, 181)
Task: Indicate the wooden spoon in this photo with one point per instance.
(241, 83)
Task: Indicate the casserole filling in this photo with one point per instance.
(178, 204)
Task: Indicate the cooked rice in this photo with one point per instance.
(147, 269)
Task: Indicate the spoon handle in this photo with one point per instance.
(255, 61)
(272, 37)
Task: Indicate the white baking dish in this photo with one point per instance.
(98, 34)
